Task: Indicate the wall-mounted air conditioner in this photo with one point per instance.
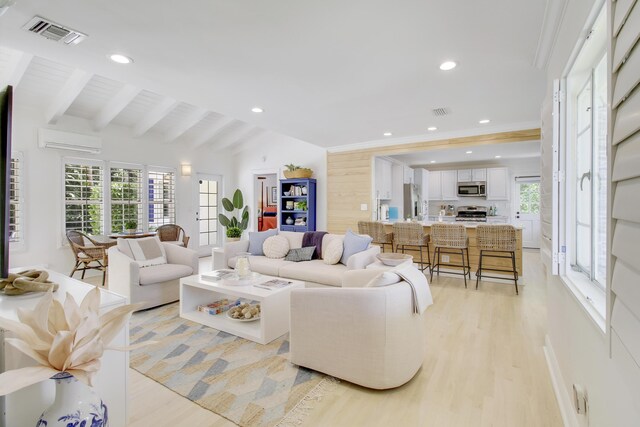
(48, 138)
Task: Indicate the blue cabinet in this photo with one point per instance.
(297, 204)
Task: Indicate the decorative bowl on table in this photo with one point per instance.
(393, 259)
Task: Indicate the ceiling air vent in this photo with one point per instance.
(52, 31)
(441, 111)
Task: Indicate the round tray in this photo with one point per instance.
(393, 259)
(242, 320)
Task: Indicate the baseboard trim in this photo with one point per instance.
(564, 402)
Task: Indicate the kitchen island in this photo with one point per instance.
(474, 253)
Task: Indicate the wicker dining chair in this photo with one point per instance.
(453, 239)
(497, 241)
(88, 256)
(377, 233)
(411, 234)
(173, 233)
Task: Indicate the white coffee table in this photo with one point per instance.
(274, 306)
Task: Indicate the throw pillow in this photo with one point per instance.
(354, 243)
(276, 247)
(257, 238)
(147, 251)
(383, 279)
(300, 254)
(332, 252)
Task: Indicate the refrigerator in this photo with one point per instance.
(412, 203)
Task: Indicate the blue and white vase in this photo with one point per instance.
(75, 405)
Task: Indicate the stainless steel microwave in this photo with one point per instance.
(472, 189)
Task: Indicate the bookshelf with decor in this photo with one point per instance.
(297, 204)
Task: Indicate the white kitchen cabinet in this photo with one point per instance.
(449, 183)
(408, 175)
(383, 178)
(472, 175)
(497, 184)
(435, 185)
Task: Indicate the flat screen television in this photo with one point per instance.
(6, 102)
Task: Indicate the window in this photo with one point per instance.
(83, 197)
(15, 200)
(126, 197)
(90, 198)
(162, 203)
(583, 209)
(208, 212)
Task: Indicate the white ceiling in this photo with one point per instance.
(327, 72)
(480, 153)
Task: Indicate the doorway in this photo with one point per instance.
(265, 190)
(207, 192)
(527, 210)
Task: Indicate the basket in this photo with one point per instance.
(298, 173)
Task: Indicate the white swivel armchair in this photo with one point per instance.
(366, 335)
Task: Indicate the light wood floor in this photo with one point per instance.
(484, 366)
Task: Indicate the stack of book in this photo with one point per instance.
(219, 306)
(217, 275)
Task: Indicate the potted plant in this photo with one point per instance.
(131, 226)
(235, 224)
(294, 171)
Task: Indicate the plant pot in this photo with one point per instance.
(298, 173)
(75, 404)
(232, 239)
(131, 230)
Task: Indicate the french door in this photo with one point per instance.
(208, 189)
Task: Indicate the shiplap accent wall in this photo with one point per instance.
(624, 298)
(349, 174)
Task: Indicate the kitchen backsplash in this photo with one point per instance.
(502, 207)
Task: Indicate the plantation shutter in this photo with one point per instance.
(624, 135)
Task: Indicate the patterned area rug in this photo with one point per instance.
(248, 383)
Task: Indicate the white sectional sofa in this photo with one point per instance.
(311, 272)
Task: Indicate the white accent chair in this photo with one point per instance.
(154, 285)
(366, 335)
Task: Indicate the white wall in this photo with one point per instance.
(580, 347)
(269, 153)
(42, 182)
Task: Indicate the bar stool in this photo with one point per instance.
(376, 231)
(453, 238)
(497, 240)
(412, 234)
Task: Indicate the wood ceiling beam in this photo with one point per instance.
(220, 126)
(16, 68)
(67, 94)
(115, 105)
(233, 135)
(187, 123)
(156, 114)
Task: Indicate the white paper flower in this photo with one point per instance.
(62, 338)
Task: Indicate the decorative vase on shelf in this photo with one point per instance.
(304, 191)
(75, 404)
(289, 220)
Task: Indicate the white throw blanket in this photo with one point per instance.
(419, 286)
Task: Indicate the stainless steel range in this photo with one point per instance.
(472, 214)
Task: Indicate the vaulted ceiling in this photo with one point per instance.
(327, 72)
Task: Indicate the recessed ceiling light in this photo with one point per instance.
(120, 59)
(432, 161)
(387, 134)
(469, 152)
(257, 110)
(484, 121)
(497, 157)
(432, 128)
(448, 65)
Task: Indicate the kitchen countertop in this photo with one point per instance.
(465, 223)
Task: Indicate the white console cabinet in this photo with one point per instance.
(24, 407)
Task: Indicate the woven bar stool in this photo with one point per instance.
(496, 241)
(412, 234)
(376, 231)
(453, 238)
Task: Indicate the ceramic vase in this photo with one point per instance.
(289, 220)
(75, 404)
